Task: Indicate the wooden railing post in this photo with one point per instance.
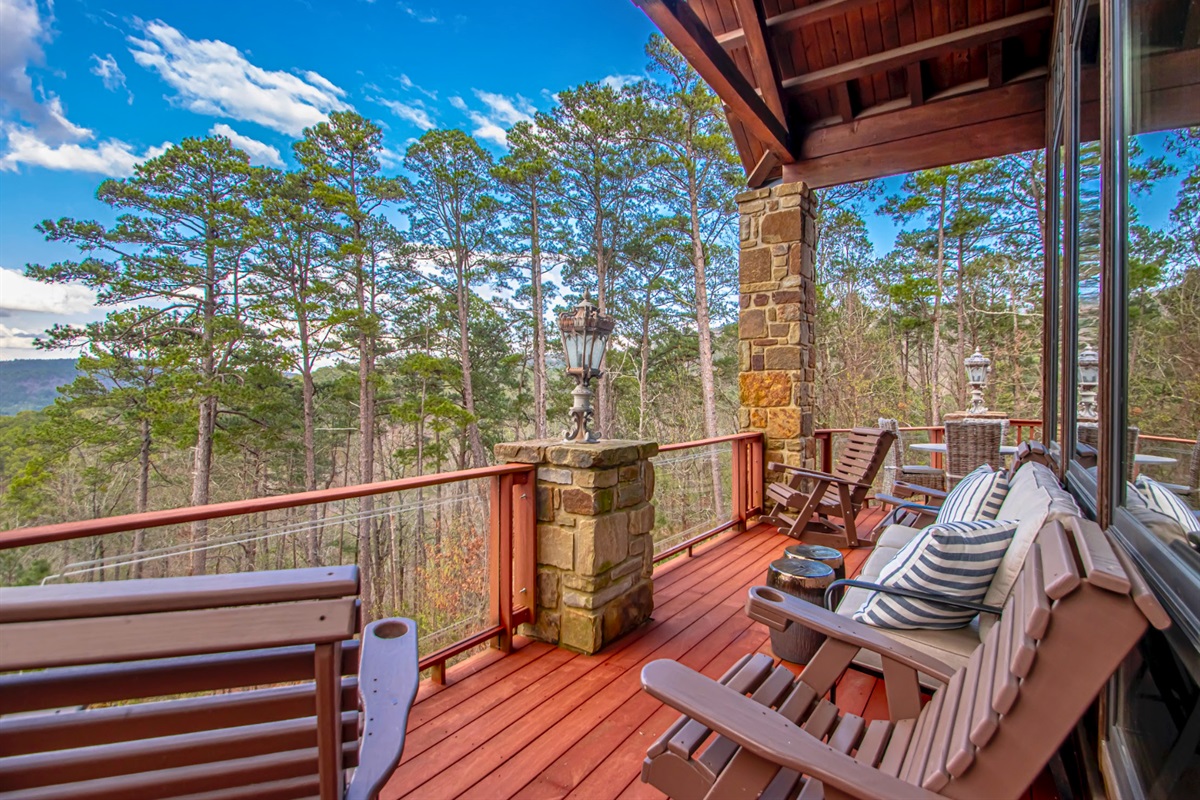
(756, 475)
(740, 478)
(525, 547)
(500, 559)
(937, 436)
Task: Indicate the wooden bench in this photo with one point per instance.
(1078, 608)
(231, 686)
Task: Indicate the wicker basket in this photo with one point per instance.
(970, 444)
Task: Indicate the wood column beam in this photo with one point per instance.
(685, 30)
(766, 74)
(930, 48)
(762, 170)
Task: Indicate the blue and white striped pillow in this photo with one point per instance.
(976, 497)
(1164, 501)
(957, 559)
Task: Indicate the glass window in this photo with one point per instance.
(1161, 227)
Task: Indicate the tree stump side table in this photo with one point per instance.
(826, 555)
(806, 580)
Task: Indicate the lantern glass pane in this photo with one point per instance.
(597, 351)
(573, 343)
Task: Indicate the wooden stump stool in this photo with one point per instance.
(807, 580)
(826, 555)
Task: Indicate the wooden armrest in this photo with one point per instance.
(387, 685)
(978, 608)
(900, 503)
(767, 734)
(776, 609)
(808, 473)
(936, 494)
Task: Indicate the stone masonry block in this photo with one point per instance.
(648, 479)
(581, 630)
(782, 357)
(587, 501)
(629, 494)
(622, 616)
(641, 519)
(548, 584)
(762, 389)
(556, 547)
(630, 473)
(752, 324)
(601, 542)
(544, 499)
(782, 226)
(597, 478)
(608, 453)
(576, 599)
(754, 265)
(554, 475)
(784, 423)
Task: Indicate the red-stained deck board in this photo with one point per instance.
(542, 723)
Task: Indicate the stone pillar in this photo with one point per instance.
(776, 326)
(594, 550)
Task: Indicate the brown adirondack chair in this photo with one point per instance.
(987, 732)
(282, 640)
(839, 494)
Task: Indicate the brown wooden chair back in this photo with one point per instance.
(240, 685)
(861, 459)
(1064, 630)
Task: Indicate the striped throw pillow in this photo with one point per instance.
(1164, 501)
(977, 496)
(957, 559)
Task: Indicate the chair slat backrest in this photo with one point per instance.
(275, 638)
(861, 459)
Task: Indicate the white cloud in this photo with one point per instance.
(16, 339)
(214, 78)
(111, 157)
(259, 152)
(109, 72)
(411, 112)
(619, 82)
(410, 85)
(427, 18)
(22, 32)
(502, 112)
(19, 293)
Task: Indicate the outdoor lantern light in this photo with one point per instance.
(978, 366)
(585, 333)
(1089, 381)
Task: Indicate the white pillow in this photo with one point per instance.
(977, 496)
(1164, 501)
(957, 559)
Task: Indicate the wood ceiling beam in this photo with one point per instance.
(679, 23)
(766, 74)
(930, 48)
(797, 18)
(762, 170)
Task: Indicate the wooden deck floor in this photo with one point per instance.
(545, 723)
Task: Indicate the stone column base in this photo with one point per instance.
(595, 554)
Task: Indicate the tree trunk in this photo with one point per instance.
(310, 461)
(207, 422)
(462, 296)
(935, 389)
(603, 386)
(644, 365)
(366, 439)
(143, 494)
(539, 330)
(708, 391)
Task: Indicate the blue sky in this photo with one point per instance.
(88, 88)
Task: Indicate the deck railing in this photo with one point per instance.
(686, 471)
(491, 510)
(1020, 429)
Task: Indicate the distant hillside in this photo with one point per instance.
(31, 384)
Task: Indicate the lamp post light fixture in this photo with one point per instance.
(585, 333)
(978, 366)
(1089, 382)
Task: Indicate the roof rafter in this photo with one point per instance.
(930, 48)
(797, 18)
(679, 23)
(766, 74)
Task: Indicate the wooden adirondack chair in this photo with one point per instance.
(282, 640)
(987, 732)
(839, 494)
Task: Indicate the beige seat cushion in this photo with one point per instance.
(952, 647)
(1035, 498)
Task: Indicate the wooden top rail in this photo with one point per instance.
(733, 437)
(1173, 439)
(20, 537)
(1019, 423)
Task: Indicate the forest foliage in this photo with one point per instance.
(366, 316)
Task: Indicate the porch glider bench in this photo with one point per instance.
(231, 686)
(1076, 611)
